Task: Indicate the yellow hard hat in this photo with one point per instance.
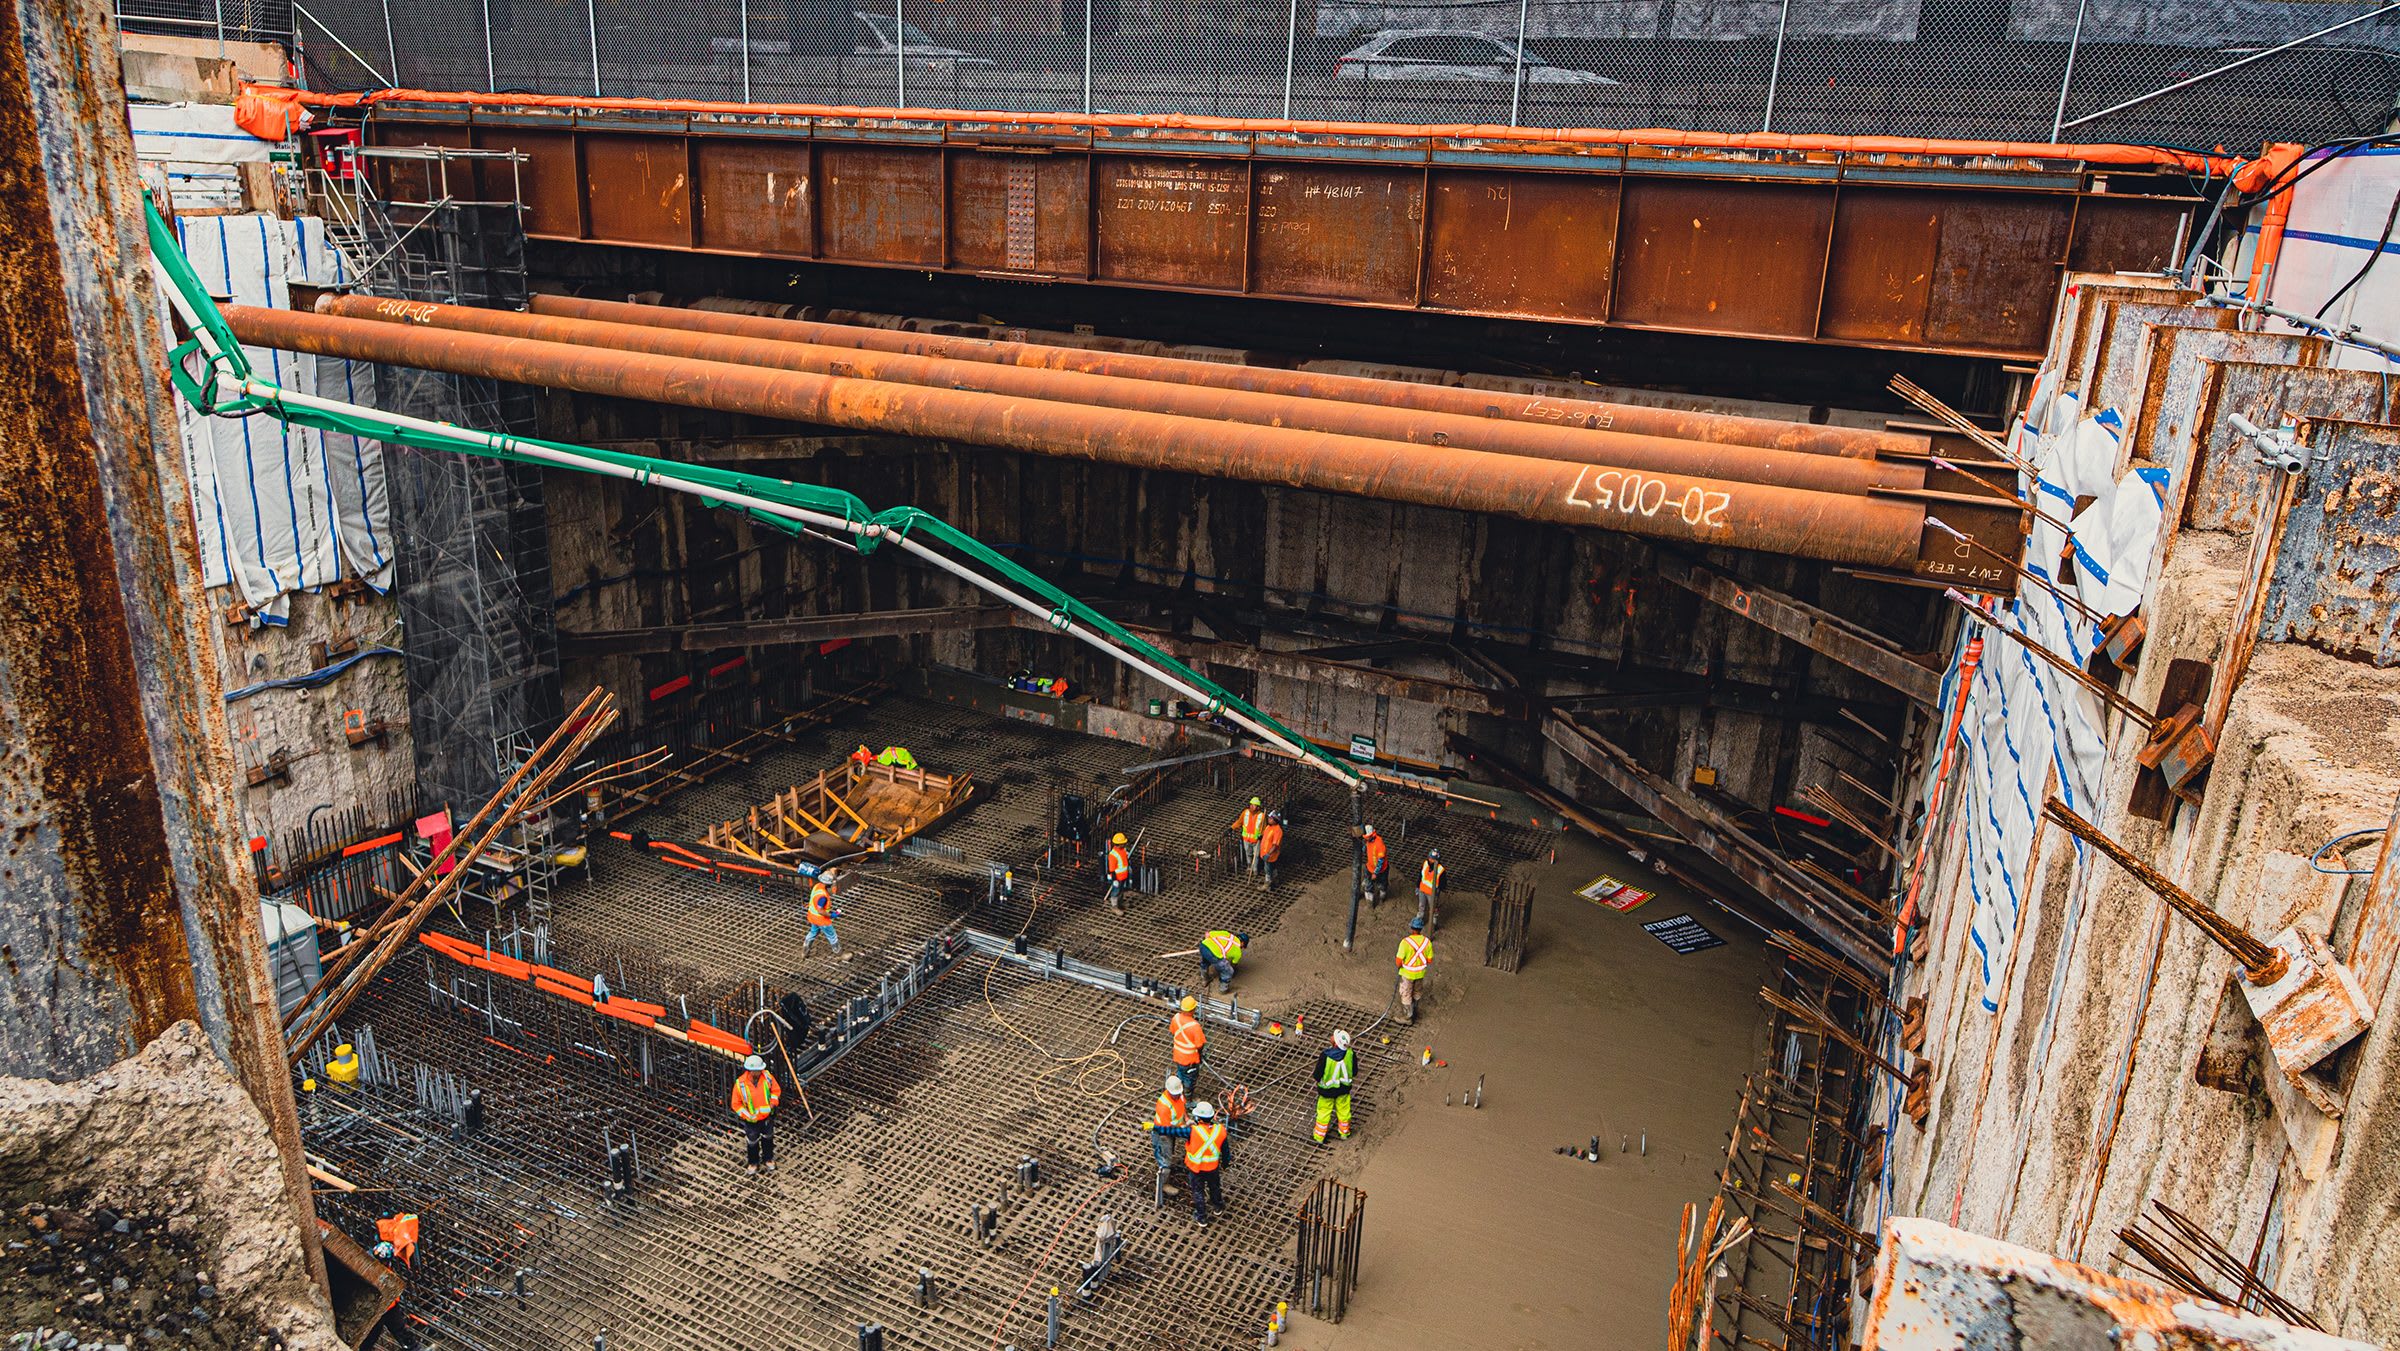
(1118, 838)
(1189, 1004)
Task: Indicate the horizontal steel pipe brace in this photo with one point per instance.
(1575, 445)
(1856, 530)
(1046, 962)
(1531, 410)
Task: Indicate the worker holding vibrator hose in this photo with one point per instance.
(822, 912)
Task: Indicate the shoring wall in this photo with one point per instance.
(2064, 1098)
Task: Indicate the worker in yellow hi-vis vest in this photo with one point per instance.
(1416, 954)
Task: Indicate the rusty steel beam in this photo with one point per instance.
(1714, 834)
(1855, 530)
(1749, 464)
(1445, 694)
(1917, 247)
(124, 903)
(1529, 410)
(718, 637)
(1816, 629)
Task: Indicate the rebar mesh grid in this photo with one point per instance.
(522, 1246)
(2162, 71)
(884, 1159)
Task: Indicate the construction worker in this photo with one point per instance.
(1204, 1159)
(396, 1237)
(755, 1094)
(1429, 890)
(1379, 867)
(1169, 1125)
(1220, 953)
(896, 757)
(1120, 870)
(1337, 1067)
(1416, 953)
(1253, 824)
(1190, 1042)
(1270, 849)
(822, 912)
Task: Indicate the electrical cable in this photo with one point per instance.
(2316, 860)
(314, 678)
(2374, 256)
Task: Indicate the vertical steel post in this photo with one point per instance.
(1087, 55)
(1516, 88)
(391, 44)
(1358, 859)
(745, 51)
(221, 27)
(1291, 52)
(591, 23)
(127, 906)
(1783, 19)
(899, 53)
(2066, 79)
(491, 72)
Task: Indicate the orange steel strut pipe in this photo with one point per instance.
(1867, 532)
(1825, 473)
(1502, 410)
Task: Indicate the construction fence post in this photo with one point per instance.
(1516, 88)
(1358, 859)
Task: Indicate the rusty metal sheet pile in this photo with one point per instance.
(2337, 577)
(1939, 252)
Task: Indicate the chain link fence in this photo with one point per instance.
(2194, 73)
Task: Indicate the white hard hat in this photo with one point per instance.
(1175, 1084)
(1342, 1040)
(1370, 830)
(754, 1063)
(1203, 1111)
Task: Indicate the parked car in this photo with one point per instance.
(890, 37)
(1437, 55)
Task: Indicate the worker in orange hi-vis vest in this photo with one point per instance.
(396, 1238)
(1416, 954)
(1429, 891)
(1204, 1160)
(1270, 850)
(1253, 825)
(1120, 870)
(1379, 867)
(822, 912)
(1190, 1042)
(755, 1094)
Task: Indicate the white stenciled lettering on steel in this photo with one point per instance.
(1615, 491)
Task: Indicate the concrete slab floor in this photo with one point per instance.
(1477, 1235)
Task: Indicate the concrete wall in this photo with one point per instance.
(326, 771)
(2057, 1120)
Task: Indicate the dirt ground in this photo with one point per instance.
(1478, 1232)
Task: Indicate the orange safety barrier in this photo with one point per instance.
(639, 1006)
(548, 986)
(377, 843)
(635, 1016)
(500, 963)
(2249, 173)
(709, 1035)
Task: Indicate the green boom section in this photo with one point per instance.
(221, 383)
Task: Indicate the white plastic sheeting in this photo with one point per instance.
(280, 508)
(2029, 729)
